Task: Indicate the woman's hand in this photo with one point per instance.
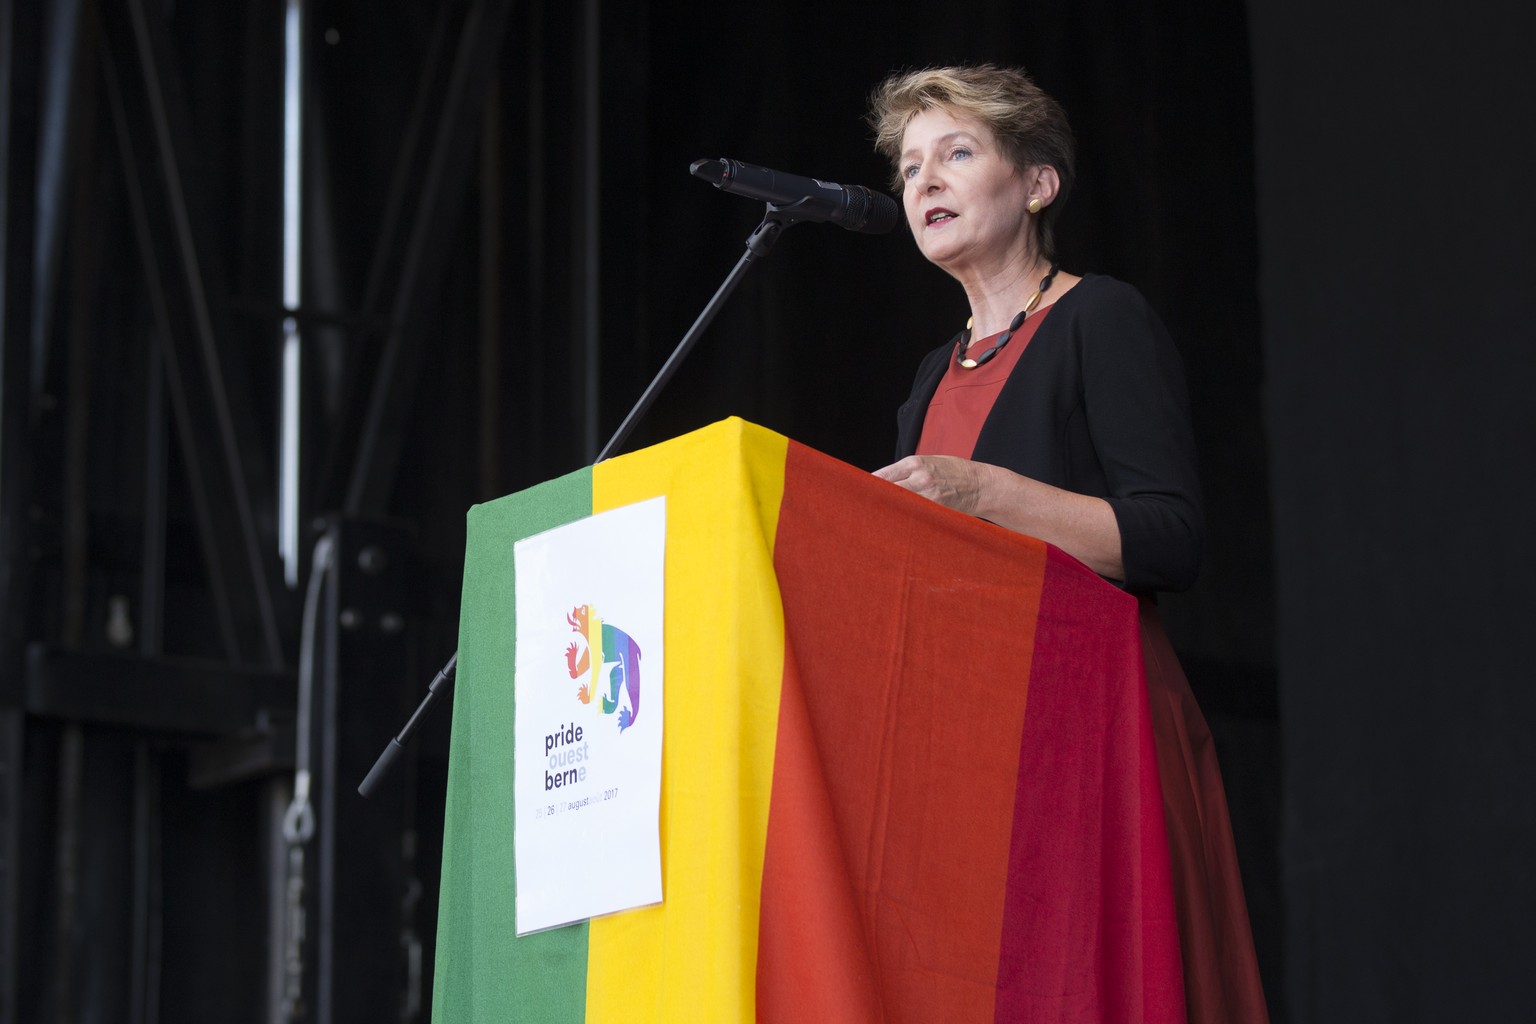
(953, 482)
(1081, 525)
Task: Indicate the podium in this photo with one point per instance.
(907, 775)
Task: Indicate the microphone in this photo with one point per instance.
(851, 206)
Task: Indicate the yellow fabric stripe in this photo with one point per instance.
(694, 957)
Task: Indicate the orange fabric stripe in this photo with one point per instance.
(906, 675)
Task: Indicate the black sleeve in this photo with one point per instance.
(1137, 408)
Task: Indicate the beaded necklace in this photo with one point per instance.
(964, 338)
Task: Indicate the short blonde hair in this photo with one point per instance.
(1030, 126)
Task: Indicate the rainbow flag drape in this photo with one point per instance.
(908, 771)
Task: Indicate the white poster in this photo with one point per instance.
(588, 728)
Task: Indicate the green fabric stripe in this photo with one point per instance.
(478, 953)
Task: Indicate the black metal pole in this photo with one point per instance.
(759, 244)
(438, 688)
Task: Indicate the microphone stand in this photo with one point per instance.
(759, 244)
(439, 687)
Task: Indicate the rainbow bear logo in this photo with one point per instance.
(612, 646)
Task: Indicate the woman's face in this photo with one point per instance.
(965, 202)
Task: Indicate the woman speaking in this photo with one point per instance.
(1059, 411)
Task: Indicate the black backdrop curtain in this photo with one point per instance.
(1396, 226)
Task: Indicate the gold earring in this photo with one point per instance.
(1034, 206)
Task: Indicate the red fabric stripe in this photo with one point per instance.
(1090, 933)
(909, 636)
(1221, 974)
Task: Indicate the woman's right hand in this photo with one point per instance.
(951, 481)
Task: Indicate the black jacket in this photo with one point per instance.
(1097, 405)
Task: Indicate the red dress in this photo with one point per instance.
(1221, 976)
